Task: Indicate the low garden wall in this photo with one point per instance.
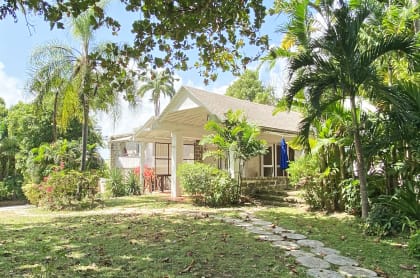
(270, 185)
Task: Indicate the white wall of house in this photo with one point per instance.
(127, 162)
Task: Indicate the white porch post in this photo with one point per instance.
(142, 154)
(233, 165)
(177, 154)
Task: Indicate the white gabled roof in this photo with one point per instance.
(191, 108)
(259, 114)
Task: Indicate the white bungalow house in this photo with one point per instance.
(163, 143)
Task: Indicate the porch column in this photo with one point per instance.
(233, 166)
(142, 154)
(177, 154)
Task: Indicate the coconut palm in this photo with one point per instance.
(159, 83)
(338, 65)
(48, 82)
(74, 76)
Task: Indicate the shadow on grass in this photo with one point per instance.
(137, 246)
(147, 201)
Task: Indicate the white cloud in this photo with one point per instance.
(221, 90)
(11, 88)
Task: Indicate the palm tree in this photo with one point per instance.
(160, 83)
(339, 65)
(75, 76)
(235, 139)
(48, 81)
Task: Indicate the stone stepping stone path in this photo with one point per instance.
(323, 273)
(285, 245)
(271, 237)
(293, 236)
(324, 251)
(313, 262)
(299, 253)
(352, 271)
(278, 230)
(310, 243)
(340, 260)
(322, 262)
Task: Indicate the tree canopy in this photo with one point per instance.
(167, 32)
(249, 87)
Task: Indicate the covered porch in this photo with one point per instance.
(176, 133)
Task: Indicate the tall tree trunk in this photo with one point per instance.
(240, 175)
(343, 172)
(157, 107)
(417, 21)
(361, 169)
(54, 131)
(85, 129)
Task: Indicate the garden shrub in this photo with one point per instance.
(318, 191)
(303, 167)
(383, 220)
(392, 214)
(61, 155)
(132, 183)
(11, 188)
(64, 189)
(33, 192)
(115, 183)
(414, 244)
(207, 184)
(351, 196)
(406, 200)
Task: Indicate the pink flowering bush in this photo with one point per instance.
(64, 189)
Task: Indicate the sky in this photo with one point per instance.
(19, 39)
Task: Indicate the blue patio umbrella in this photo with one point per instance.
(284, 159)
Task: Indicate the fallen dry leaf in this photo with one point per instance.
(165, 260)
(380, 272)
(188, 268)
(408, 267)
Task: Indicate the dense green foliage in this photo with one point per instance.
(11, 188)
(73, 79)
(29, 155)
(237, 140)
(132, 183)
(414, 244)
(123, 184)
(366, 52)
(115, 183)
(249, 87)
(207, 184)
(64, 190)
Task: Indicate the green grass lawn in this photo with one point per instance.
(388, 257)
(82, 244)
(155, 237)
